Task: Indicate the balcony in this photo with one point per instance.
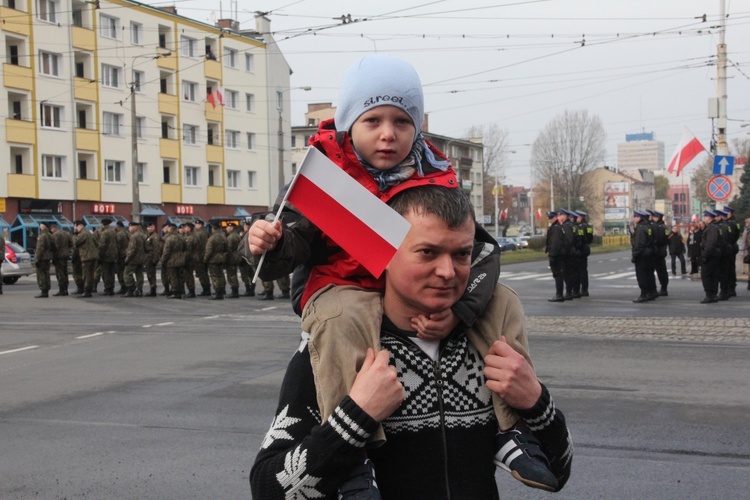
(18, 77)
(88, 190)
(87, 139)
(15, 21)
(214, 114)
(20, 131)
(169, 148)
(212, 69)
(167, 62)
(214, 154)
(168, 104)
(85, 89)
(84, 38)
(22, 185)
(215, 195)
(171, 193)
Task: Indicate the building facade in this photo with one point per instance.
(117, 108)
(620, 194)
(640, 151)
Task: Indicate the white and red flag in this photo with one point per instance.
(538, 213)
(688, 148)
(216, 97)
(357, 220)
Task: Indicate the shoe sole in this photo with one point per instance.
(527, 482)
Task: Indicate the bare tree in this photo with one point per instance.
(495, 142)
(568, 147)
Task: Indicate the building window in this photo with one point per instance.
(111, 123)
(50, 63)
(214, 175)
(51, 116)
(113, 171)
(140, 126)
(109, 27)
(136, 33)
(250, 63)
(110, 76)
(232, 139)
(231, 99)
(233, 178)
(52, 167)
(250, 141)
(138, 77)
(250, 102)
(188, 46)
(190, 134)
(189, 91)
(230, 57)
(48, 10)
(191, 176)
(251, 179)
(142, 172)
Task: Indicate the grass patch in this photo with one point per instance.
(535, 255)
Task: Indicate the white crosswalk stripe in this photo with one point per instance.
(547, 276)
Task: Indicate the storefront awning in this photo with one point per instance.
(27, 221)
(241, 212)
(94, 221)
(3, 224)
(179, 220)
(151, 211)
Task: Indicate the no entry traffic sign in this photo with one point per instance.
(719, 187)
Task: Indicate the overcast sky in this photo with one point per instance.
(639, 65)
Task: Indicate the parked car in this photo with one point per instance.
(506, 244)
(521, 242)
(17, 263)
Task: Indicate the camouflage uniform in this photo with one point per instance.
(215, 258)
(77, 266)
(284, 285)
(153, 254)
(2, 249)
(107, 257)
(43, 254)
(122, 236)
(63, 241)
(201, 271)
(192, 257)
(233, 260)
(173, 259)
(88, 251)
(135, 257)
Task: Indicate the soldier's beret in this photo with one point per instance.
(106, 222)
(79, 223)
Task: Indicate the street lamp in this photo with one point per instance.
(280, 107)
(135, 212)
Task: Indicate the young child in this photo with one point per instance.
(376, 137)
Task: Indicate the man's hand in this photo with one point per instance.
(263, 235)
(435, 327)
(510, 375)
(376, 388)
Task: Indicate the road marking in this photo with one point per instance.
(268, 308)
(165, 324)
(527, 276)
(90, 335)
(618, 275)
(19, 350)
(212, 317)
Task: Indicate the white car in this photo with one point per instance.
(17, 263)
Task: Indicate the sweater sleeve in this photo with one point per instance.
(548, 424)
(483, 277)
(300, 455)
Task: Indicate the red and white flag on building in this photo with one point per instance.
(538, 213)
(216, 97)
(357, 220)
(688, 148)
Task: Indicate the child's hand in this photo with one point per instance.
(435, 327)
(263, 235)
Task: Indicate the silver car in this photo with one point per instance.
(17, 263)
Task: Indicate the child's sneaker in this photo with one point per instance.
(520, 453)
(361, 484)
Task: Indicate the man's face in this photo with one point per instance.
(151, 228)
(383, 136)
(429, 273)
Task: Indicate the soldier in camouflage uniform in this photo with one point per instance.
(201, 271)
(135, 257)
(43, 254)
(63, 241)
(88, 251)
(2, 249)
(77, 264)
(107, 256)
(153, 255)
(284, 285)
(123, 237)
(191, 257)
(215, 258)
(246, 270)
(173, 259)
(233, 260)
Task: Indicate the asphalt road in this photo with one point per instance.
(156, 398)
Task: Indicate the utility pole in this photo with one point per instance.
(136, 210)
(721, 84)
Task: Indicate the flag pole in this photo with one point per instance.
(278, 212)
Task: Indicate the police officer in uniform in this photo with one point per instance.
(734, 228)
(215, 259)
(661, 242)
(711, 255)
(201, 271)
(108, 254)
(554, 250)
(586, 235)
(43, 254)
(568, 252)
(642, 256)
(233, 260)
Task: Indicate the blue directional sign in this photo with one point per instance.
(723, 165)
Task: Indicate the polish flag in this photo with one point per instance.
(357, 220)
(538, 213)
(688, 148)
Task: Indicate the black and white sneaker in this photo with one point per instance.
(361, 484)
(520, 453)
